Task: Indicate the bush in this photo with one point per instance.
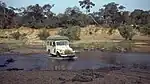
(16, 35)
(23, 36)
(43, 34)
(145, 29)
(5, 49)
(126, 31)
(72, 33)
(123, 46)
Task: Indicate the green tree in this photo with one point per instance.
(126, 17)
(6, 16)
(87, 4)
(126, 31)
(112, 14)
(47, 10)
(73, 17)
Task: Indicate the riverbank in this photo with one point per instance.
(91, 38)
(97, 76)
(107, 46)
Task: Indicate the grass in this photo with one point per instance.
(109, 46)
(4, 50)
(98, 39)
(11, 44)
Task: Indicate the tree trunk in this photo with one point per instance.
(94, 20)
(4, 17)
(91, 17)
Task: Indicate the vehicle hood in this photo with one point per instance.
(64, 48)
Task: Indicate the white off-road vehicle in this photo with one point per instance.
(59, 46)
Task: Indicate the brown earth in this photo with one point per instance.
(99, 34)
(99, 76)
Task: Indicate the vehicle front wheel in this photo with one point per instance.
(58, 54)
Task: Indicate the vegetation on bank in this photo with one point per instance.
(111, 15)
(18, 36)
(123, 46)
(72, 32)
(43, 34)
(10, 45)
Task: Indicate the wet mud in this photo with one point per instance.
(92, 67)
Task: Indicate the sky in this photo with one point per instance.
(61, 5)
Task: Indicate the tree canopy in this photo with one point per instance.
(36, 16)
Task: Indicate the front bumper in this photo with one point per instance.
(68, 55)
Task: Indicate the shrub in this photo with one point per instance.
(23, 36)
(123, 46)
(16, 35)
(127, 45)
(126, 31)
(145, 29)
(43, 34)
(72, 33)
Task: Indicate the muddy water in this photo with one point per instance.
(86, 60)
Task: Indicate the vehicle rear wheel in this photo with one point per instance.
(48, 52)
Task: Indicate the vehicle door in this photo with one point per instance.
(47, 45)
(50, 46)
(53, 47)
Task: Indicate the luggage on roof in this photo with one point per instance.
(57, 37)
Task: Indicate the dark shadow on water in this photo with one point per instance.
(3, 65)
(14, 69)
(8, 61)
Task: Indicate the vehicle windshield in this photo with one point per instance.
(61, 43)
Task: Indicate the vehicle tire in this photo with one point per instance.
(58, 54)
(48, 52)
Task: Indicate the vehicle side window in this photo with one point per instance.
(50, 44)
(47, 42)
(53, 43)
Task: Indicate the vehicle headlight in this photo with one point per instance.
(61, 51)
(69, 52)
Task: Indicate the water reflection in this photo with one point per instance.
(54, 64)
